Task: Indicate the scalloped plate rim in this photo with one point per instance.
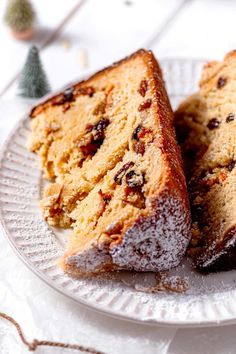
(102, 309)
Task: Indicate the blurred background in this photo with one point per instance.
(79, 36)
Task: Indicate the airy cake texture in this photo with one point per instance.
(108, 146)
(206, 128)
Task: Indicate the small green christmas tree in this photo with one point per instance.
(33, 81)
(20, 18)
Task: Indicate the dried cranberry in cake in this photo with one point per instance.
(231, 166)
(68, 94)
(69, 97)
(85, 91)
(143, 88)
(114, 228)
(230, 118)
(98, 130)
(146, 134)
(66, 97)
(95, 135)
(58, 100)
(213, 124)
(120, 174)
(135, 135)
(89, 149)
(105, 199)
(134, 179)
(144, 105)
(140, 132)
(141, 135)
(209, 181)
(132, 192)
(221, 82)
(222, 176)
(139, 147)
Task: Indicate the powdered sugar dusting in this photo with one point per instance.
(153, 243)
(91, 260)
(167, 283)
(158, 242)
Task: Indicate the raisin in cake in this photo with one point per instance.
(206, 128)
(108, 146)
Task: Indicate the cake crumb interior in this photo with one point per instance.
(98, 144)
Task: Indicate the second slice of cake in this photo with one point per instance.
(109, 148)
(206, 126)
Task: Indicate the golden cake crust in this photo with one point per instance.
(155, 220)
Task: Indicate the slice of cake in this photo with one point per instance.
(108, 146)
(206, 128)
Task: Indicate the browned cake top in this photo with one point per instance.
(109, 147)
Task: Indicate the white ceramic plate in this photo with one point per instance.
(210, 299)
